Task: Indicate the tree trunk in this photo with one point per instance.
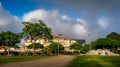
(33, 50)
(19, 53)
(8, 51)
(79, 52)
(34, 47)
(5, 52)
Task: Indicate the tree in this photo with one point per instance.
(76, 46)
(9, 39)
(54, 47)
(15, 46)
(114, 36)
(85, 48)
(106, 43)
(37, 46)
(37, 31)
(45, 50)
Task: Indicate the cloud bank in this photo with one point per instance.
(61, 24)
(102, 16)
(97, 18)
(9, 22)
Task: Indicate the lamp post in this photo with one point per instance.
(58, 47)
(89, 41)
(59, 42)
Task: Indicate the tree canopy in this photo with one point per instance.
(106, 43)
(37, 46)
(85, 48)
(114, 36)
(37, 30)
(76, 46)
(54, 47)
(16, 46)
(9, 38)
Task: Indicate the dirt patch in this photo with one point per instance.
(61, 61)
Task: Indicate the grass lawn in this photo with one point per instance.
(8, 59)
(95, 61)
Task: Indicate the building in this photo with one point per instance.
(2, 48)
(66, 42)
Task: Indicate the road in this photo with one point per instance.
(61, 61)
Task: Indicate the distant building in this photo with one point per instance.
(2, 48)
(66, 42)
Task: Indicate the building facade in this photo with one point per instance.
(66, 42)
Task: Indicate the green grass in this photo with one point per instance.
(95, 61)
(8, 59)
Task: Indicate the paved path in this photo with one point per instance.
(61, 61)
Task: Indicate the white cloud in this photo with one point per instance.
(8, 21)
(62, 24)
(83, 22)
(65, 17)
(35, 15)
(103, 22)
(80, 29)
(59, 23)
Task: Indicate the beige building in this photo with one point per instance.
(66, 42)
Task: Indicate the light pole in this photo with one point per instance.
(58, 41)
(58, 47)
(89, 41)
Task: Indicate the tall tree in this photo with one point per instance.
(106, 43)
(114, 35)
(37, 31)
(9, 39)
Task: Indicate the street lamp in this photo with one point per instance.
(89, 41)
(59, 42)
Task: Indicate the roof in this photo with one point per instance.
(2, 47)
(59, 37)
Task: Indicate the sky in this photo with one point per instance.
(72, 18)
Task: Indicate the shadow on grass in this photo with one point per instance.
(95, 61)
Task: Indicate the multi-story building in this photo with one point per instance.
(66, 42)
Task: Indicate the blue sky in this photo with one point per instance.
(72, 18)
(19, 7)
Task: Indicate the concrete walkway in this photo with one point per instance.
(61, 61)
